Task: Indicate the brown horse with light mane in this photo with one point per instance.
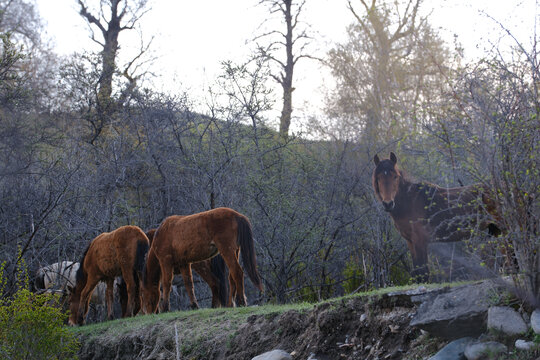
(424, 212)
(183, 240)
(118, 253)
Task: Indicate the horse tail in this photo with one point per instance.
(220, 271)
(247, 249)
(140, 260)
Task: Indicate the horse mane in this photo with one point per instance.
(81, 274)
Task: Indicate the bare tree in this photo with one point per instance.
(114, 17)
(293, 40)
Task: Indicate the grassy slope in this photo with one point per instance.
(199, 329)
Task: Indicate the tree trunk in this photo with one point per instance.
(287, 77)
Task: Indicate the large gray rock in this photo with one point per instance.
(462, 311)
(453, 351)
(478, 351)
(274, 355)
(506, 320)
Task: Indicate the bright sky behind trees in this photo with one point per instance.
(191, 38)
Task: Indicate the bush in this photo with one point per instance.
(32, 325)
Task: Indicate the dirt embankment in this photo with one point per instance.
(374, 327)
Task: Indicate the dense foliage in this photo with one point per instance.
(69, 171)
(32, 325)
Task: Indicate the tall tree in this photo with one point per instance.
(114, 17)
(388, 67)
(293, 38)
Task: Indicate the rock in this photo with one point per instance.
(507, 320)
(274, 355)
(535, 321)
(524, 345)
(462, 311)
(418, 295)
(477, 351)
(454, 350)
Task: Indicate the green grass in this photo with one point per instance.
(201, 317)
(205, 318)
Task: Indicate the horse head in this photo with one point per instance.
(150, 284)
(149, 298)
(386, 178)
(76, 313)
(74, 300)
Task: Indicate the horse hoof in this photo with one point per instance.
(194, 306)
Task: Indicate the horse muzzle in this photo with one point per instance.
(388, 205)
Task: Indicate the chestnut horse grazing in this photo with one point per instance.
(183, 240)
(212, 271)
(118, 253)
(424, 212)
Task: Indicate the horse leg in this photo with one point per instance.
(232, 292)
(188, 283)
(236, 274)
(109, 298)
(131, 287)
(86, 292)
(203, 269)
(418, 248)
(420, 271)
(167, 275)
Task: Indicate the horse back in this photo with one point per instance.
(108, 250)
(456, 211)
(194, 237)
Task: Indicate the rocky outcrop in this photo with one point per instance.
(458, 312)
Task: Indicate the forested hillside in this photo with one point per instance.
(86, 147)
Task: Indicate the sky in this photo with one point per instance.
(191, 38)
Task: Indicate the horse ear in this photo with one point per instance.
(376, 159)
(393, 158)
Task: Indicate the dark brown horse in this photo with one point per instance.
(183, 240)
(424, 212)
(118, 253)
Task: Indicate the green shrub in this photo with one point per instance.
(32, 325)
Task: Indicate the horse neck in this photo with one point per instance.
(152, 269)
(403, 195)
(403, 198)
